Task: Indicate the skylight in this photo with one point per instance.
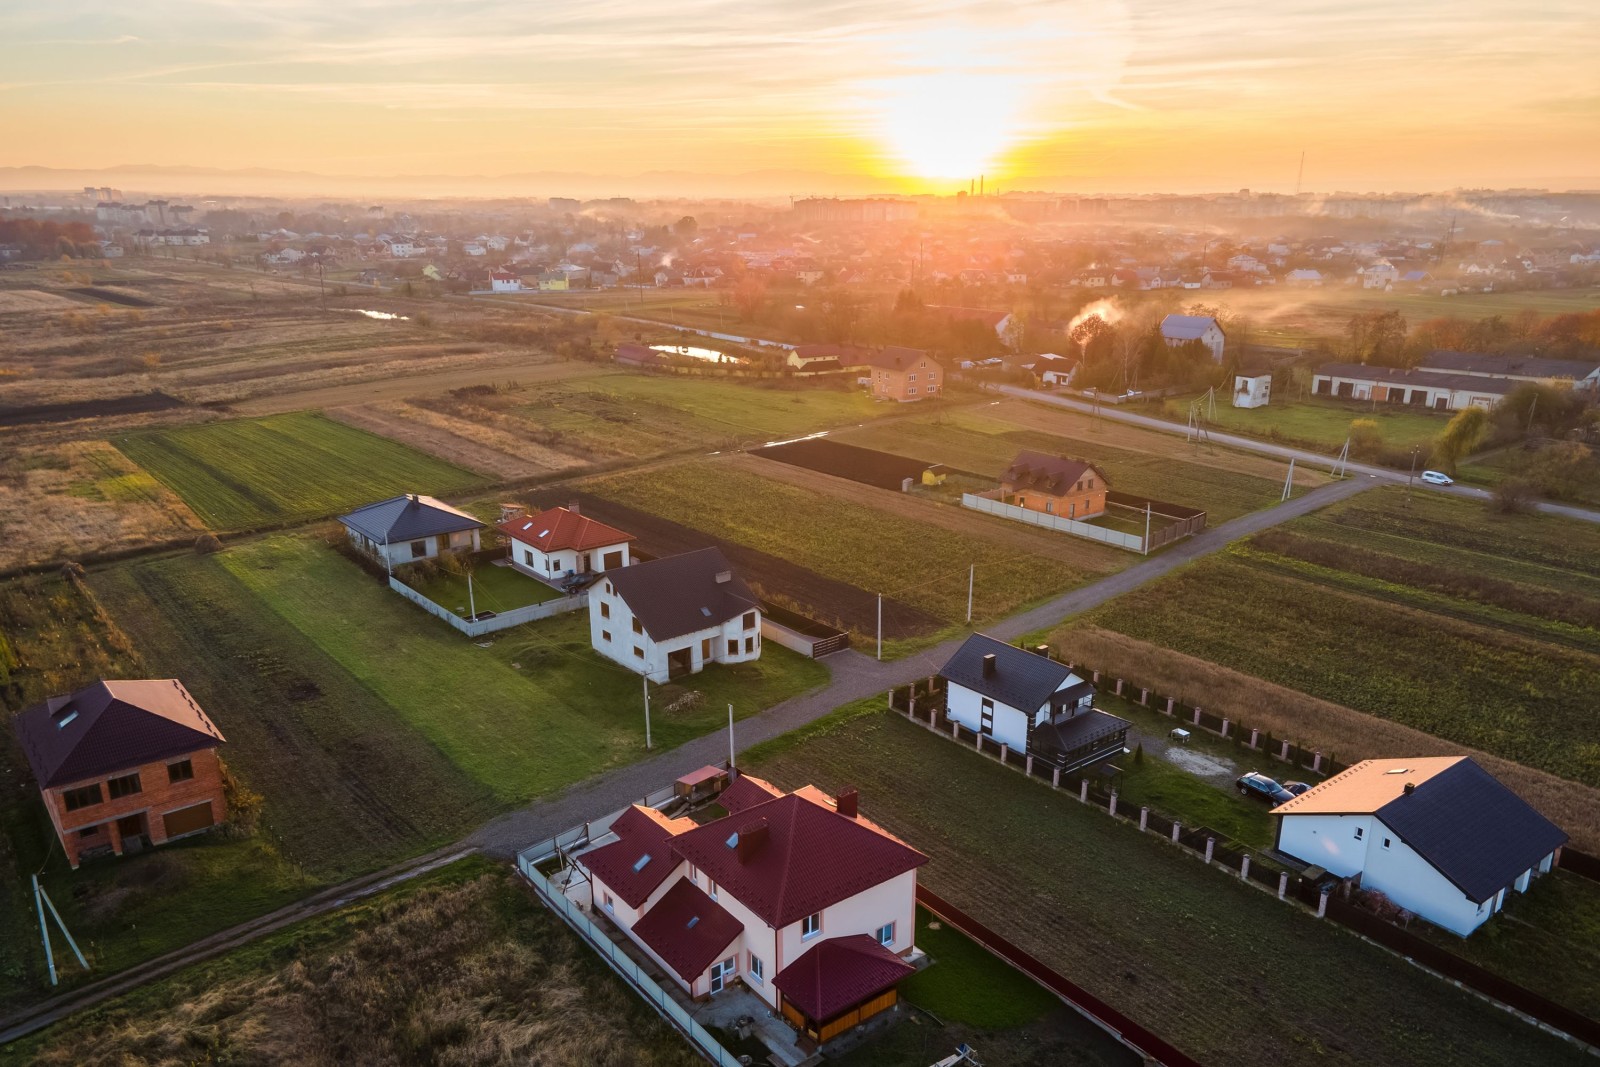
(544, 533)
(690, 924)
(706, 612)
(67, 718)
(527, 526)
(1399, 770)
(644, 861)
(733, 840)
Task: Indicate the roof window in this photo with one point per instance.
(733, 840)
(1399, 770)
(66, 719)
(690, 924)
(644, 861)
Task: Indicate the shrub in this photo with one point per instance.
(1514, 496)
(206, 544)
(244, 804)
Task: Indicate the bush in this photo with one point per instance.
(244, 804)
(206, 544)
(1514, 496)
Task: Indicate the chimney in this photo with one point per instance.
(1411, 787)
(724, 576)
(988, 665)
(573, 507)
(847, 803)
(1042, 650)
(752, 839)
(414, 498)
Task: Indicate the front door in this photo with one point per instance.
(720, 973)
(130, 826)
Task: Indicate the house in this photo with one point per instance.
(556, 281)
(633, 354)
(1181, 329)
(1056, 485)
(407, 528)
(1304, 276)
(1435, 390)
(797, 896)
(504, 281)
(672, 616)
(124, 764)
(1379, 275)
(902, 374)
(564, 541)
(814, 359)
(1052, 369)
(1252, 391)
(1030, 703)
(1439, 836)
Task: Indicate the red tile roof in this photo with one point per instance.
(636, 864)
(747, 791)
(839, 973)
(813, 858)
(558, 529)
(688, 930)
(112, 726)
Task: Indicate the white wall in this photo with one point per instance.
(555, 564)
(892, 901)
(620, 645)
(397, 553)
(1010, 724)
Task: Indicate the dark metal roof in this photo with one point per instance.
(1021, 679)
(1509, 366)
(678, 595)
(1050, 473)
(687, 929)
(1471, 829)
(404, 518)
(1417, 379)
(1082, 729)
(112, 726)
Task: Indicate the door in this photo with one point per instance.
(720, 973)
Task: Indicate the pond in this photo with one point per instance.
(710, 355)
(386, 316)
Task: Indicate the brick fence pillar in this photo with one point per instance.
(911, 708)
(1255, 735)
(1083, 791)
(1005, 750)
(955, 729)
(1144, 818)
(1284, 754)
(1055, 778)
(1175, 829)
(1119, 687)
(1096, 678)
(1169, 705)
(1197, 716)
(1316, 762)
(1144, 697)
(1244, 867)
(1112, 807)
(1224, 727)
(1027, 766)
(1211, 845)
(913, 688)
(1322, 904)
(1283, 884)
(977, 740)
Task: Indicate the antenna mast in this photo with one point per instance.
(1300, 176)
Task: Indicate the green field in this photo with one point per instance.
(970, 441)
(245, 473)
(919, 563)
(1481, 630)
(1194, 954)
(496, 589)
(1323, 425)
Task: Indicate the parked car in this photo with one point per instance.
(1437, 478)
(1264, 788)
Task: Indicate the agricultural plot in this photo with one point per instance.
(250, 472)
(1322, 425)
(885, 470)
(1480, 631)
(1200, 957)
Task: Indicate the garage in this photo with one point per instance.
(188, 820)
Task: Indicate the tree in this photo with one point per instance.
(1562, 469)
(1365, 437)
(1461, 435)
(908, 303)
(1376, 337)
(1513, 496)
(749, 296)
(686, 228)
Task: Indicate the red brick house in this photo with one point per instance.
(124, 764)
(1056, 485)
(903, 374)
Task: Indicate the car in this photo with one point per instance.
(1261, 787)
(1437, 478)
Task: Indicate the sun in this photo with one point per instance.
(952, 124)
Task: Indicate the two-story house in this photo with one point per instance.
(672, 616)
(559, 541)
(902, 374)
(1181, 329)
(797, 896)
(124, 764)
(1055, 485)
(404, 529)
(1438, 835)
(1029, 702)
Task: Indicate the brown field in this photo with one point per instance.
(1342, 732)
(490, 368)
(466, 444)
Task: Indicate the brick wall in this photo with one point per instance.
(156, 798)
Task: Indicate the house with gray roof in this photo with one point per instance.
(673, 616)
(1181, 329)
(1029, 702)
(405, 529)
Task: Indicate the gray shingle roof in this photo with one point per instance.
(1187, 327)
(1530, 366)
(678, 595)
(404, 518)
(1418, 379)
(1079, 730)
(1039, 470)
(1473, 830)
(1021, 679)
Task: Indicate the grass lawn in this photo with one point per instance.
(1323, 425)
(457, 966)
(1479, 630)
(249, 472)
(919, 563)
(1192, 953)
(969, 984)
(493, 589)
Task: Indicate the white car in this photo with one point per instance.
(1437, 478)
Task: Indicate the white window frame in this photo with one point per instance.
(814, 921)
(757, 969)
(886, 928)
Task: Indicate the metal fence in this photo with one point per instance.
(500, 621)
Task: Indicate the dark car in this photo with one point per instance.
(1264, 788)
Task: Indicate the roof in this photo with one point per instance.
(839, 352)
(1523, 366)
(894, 357)
(112, 726)
(813, 857)
(403, 518)
(641, 858)
(1459, 818)
(1417, 378)
(1021, 679)
(1187, 327)
(680, 594)
(1084, 728)
(561, 528)
(986, 316)
(1038, 470)
(687, 930)
(835, 975)
(628, 352)
(747, 791)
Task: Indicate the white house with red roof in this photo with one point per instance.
(797, 896)
(505, 281)
(560, 541)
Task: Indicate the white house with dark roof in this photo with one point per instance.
(1439, 836)
(1030, 703)
(672, 616)
(1181, 329)
(408, 528)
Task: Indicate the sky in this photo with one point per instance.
(910, 95)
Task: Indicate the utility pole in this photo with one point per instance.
(1288, 481)
(472, 605)
(321, 285)
(880, 626)
(730, 736)
(646, 711)
(1147, 527)
(1301, 174)
(1413, 473)
(44, 932)
(972, 570)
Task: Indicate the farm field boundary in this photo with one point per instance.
(498, 621)
(885, 470)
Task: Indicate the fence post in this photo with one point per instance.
(1211, 844)
(1083, 791)
(1112, 808)
(1197, 716)
(1055, 778)
(1224, 727)
(1169, 705)
(1005, 750)
(1144, 819)
(891, 699)
(1316, 763)
(1283, 884)
(1244, 867)
(1284, 755)
(955, 729)
(1255, 735)
(978, 741)
(1322, 904)
(1096, 678)
(1027, 766)
(1144, 697)
(1119, 687)
(1175, 829)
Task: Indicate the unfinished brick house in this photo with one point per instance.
(124, 765)
(1056, 485)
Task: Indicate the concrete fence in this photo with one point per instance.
(500, 621)
(1131, 542)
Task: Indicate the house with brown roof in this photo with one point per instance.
(796, 896)
(672, 616)
(1438, 835)
(123, 765)
(564, 541)
(1056, 485)
(902, 374)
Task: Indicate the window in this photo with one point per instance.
(749, 645)
(1386, 842)
(911, 377)
(811, 926)
(610, 905)
(638, 653)
(126, 786)
(608, 589)
(733, 648)
(182, 771)
(711, 889)
(605, 635)
(749, 620)
(986, 717)
(88, 831)
(886, 934)
(758, 970)
(637, 628)
(1090, 483)
(1360, 833)
(419, 549)
(82, 798)
(527, 556)
(721, 972)
(605, 610)
(911, 391)
(1050, 506)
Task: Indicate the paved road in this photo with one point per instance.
(857, 675)
(1280, 451)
